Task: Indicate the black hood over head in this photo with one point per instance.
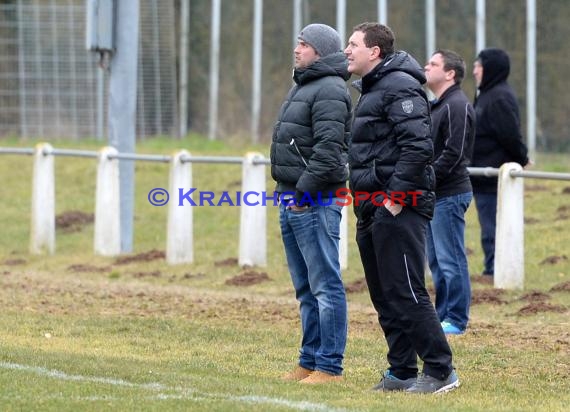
(496, 67)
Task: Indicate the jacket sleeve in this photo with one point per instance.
(330, 112)
(408, 113)
(507, 129)
(457, 122)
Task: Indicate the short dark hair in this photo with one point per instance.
(453, 61)
(376, 34)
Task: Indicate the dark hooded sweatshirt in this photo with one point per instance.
(391, 149)
(498, 138)
(310, 139)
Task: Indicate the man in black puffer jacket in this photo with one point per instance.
(498, 140)
(308, 162)
(392, 180)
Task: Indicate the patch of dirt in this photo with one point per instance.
(535, 188)
(566, 191)
(80, 267)
(153, 274)
(492, 296)
(562, 216)
(537, 307)
(141, 257)
(14, 262)
(248, 278)
(563, 208)
(357, 286)
(189, 275)
(561, 287)
(531, 220)
(73, 220)
(468, 251)
(552, 260)
(226, 262)
(482, 279)
(535, 296)
(6, 273)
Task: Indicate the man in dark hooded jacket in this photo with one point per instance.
(390, 157)
(498, 140)
(308, 162)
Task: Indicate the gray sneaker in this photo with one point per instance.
(390, 383)
(429, 384)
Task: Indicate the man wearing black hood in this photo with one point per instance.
(498, 140)
(308, 162)
(393, 181)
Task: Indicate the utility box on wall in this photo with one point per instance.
(100, 27)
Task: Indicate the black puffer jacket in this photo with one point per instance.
(498, 138)
(310, 138)
(391, 149)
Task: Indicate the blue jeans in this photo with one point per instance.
(448, 261)
(311, 239)
(487, 212)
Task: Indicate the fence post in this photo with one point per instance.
(253, 214)
(343, 247)
(509, 239)
(107, 239)
(179, 240)
(42, 237)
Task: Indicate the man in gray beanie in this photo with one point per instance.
(324, 39)
(308, 162)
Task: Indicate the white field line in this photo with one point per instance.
(180, 393)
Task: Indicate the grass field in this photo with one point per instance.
(82, 332)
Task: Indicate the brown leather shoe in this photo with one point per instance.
(318, 377)
(297, 374)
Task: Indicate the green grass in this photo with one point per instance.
(83, 332)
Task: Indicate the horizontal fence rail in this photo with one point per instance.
(509, 249)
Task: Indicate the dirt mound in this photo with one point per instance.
(535, 296)
(561, 287)
(153, 274)
(248, 278)
(552, 260)
(226, 262)
(537, 307)
(531, 220)
(141, 257)
(492, 296)
(357, 286)
(73, 220)
(566, 191)
(482, 279)
(80, 267)
(14, 262)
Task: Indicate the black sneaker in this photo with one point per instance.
(429, 384)
(390, 383)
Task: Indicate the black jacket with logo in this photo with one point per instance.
(498, 138)
(453, 131)
(310, 139)
(391, 148)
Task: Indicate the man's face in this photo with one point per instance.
(305, 55)
(478, 72)
(361, 59)
(435, 74)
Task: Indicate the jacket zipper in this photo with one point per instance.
(298, 151)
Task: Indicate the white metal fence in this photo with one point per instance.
(51, 86)
(509, 256)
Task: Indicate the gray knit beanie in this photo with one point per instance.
(324, 39)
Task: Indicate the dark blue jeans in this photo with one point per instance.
(448, 261)
(487, 211)
(311, 238)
